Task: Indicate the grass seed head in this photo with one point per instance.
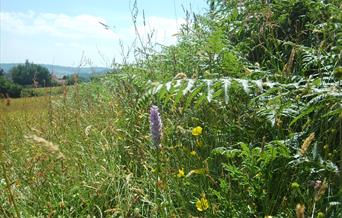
(300, 209)
(306, 144)
(47, 145)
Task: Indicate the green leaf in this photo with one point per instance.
(192, 95)
(306, 112)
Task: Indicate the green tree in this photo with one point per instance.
(29, 73)
(7, 87)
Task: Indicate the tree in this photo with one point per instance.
(7, 87)
(29, 73)
(2, 72)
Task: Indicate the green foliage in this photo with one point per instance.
(250, 99)
(8, 88)
(31, 74)
(268, 75)
(277, 34)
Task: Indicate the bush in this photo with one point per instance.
(9, 88)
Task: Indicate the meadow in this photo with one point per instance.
(241, 118)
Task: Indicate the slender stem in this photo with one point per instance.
(313, 210)
(11, 196)
(157, 180)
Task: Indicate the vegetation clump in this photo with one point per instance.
(250, 100)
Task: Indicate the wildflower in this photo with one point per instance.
(181, 173)
(197, 131)
(193, 153)
(202, 204)
(294, 185)
(156, 126)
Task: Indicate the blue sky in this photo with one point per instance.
(63, 32)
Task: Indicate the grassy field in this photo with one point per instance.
(90, 153)
(21, 114)
(44, 91)
(24, 105)
(59, 159)
(242, 118)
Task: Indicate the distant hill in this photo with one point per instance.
(58, 70)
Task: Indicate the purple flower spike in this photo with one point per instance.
(156, 126)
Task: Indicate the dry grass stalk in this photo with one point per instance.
(306, 144)
(300, 209)
(181, 76)
(8, 100)
(323, 187)
(36, 130)
(65, 92)
(48, 146)
(289, 65)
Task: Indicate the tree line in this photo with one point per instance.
(23, 75)
(26, 75)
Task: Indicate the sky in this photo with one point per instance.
(70, 33)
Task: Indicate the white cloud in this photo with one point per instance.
(55, 25)
(163, 29)
(85, 26)
(65, 37)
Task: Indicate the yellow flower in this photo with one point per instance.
(202, 204)
(193, 153)
(197, 131)
(181, 173)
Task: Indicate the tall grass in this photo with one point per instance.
(240, 138)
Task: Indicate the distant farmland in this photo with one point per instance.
(58, 70)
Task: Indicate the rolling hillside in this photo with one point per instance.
(63, 70)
